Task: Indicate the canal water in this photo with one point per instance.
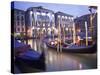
(64, 61)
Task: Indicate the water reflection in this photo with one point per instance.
(63, 61)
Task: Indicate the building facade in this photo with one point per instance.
(39, 21)
(65, 21)
(80, 24)
(19, 21)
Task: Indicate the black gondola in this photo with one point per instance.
(76, 49)
(28, 60)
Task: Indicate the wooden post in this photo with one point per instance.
(86, 33)
(74, 34)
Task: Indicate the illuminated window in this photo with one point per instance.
(58, 16)
(43, 14)
(38, 13)
(72, 18)
(48, 14)
(31, 12)
(43, 25)
(66, 17)
(48, 24)
(52, 15)
(62, 16)
(69, 18)
(66, 29)
(38, 28)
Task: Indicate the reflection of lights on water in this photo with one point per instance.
(30, 43)
(78, 37)
(52, 43)
(45, 46)
(80, 66)
(46, 61)
(58, 61)
(35, 46)
(19, 41)
(50, 59)
(56, 42)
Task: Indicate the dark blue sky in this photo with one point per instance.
(75, 10)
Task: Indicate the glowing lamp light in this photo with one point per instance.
(52, 15)
(49, 29)
(44, 29)
(48, 14)
(43, 14)
(56, 38)
(65, 17)
(38, 28)
(37, 13)
(78, 37)
(79, 30)
(72, 18)
(48, 24)
(80, 66)
(33, 27)
(62, 16)
(66, 29)
(31, 12)
(53, 28)
(52, 43)
(43, 24)
(89, 37)
(58, 16)
(78, 41)
(56, 42)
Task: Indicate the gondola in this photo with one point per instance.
(72, 48)
(27, 59)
